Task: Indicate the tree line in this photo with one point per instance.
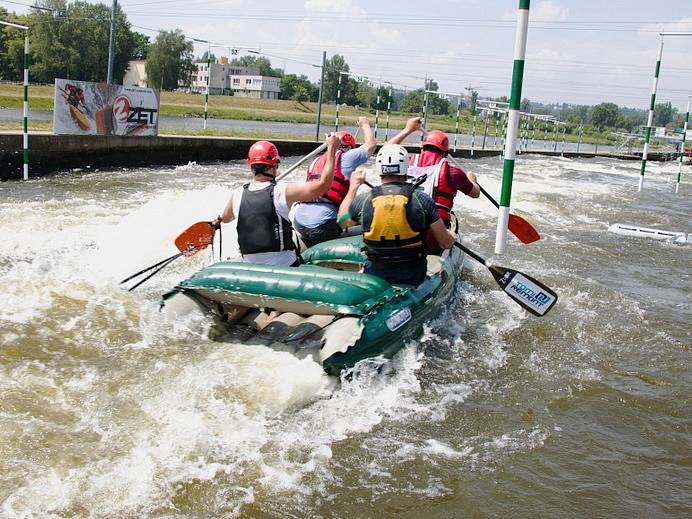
(70, 40)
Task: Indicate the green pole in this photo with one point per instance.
(555, 136)
(25, 137)
(650, 120)
(389, 109)
(206, 95)
(512, 125)
(377, 107)
(682, 144)
(456, 125)
(473, 135)
(338, 98)
(495, 125)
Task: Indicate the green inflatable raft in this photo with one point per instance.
(331, 311)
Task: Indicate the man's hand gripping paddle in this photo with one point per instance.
(192, 240)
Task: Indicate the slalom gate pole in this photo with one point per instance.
(496, 125)
(564, 132)
(504, 134)
(425, 109)
(206, 94)
(338, 98)
(512, 125)
(25, 136)
(545, 135)
(456, 124)
(650, 119)
(389, 109)
(581, 134)
(485, 131)
(377, 107)
(682, 143)
(25, 118)
(555, 137)
(473, 135)
(533, 131)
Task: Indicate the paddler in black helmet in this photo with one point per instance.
(395, 217)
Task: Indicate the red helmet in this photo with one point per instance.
(346, 139)
(437, 139)
(263, 152)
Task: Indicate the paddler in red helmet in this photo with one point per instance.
(315, 220)
(261, 207)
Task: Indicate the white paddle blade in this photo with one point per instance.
(533, 295)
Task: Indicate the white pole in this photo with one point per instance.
(512, 125)
(650, 120)
(682, 144)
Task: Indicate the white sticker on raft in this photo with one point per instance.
(398, 318)
(646, 232)
(522, 288)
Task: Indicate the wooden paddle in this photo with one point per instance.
(192, 240)
(517, 225)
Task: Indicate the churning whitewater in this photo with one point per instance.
(108, 410)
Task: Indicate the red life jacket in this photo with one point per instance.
(339, 188)
(438, 182)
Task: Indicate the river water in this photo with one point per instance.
(108, 411)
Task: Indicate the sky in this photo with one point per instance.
(578, 51)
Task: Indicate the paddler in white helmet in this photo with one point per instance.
(395, 217)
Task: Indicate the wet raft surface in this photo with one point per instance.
(107, 411)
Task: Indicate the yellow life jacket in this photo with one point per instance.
(390, 236)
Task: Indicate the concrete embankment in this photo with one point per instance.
(52, 153)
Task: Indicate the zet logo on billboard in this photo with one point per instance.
(121, 109)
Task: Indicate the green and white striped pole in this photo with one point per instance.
(555, 136)
(377, 107)
(485, 131)
(473, 135)
(650, 120)
(495, 124)
(545, 134)
(389, 109)
(25, 137)
(512, 125)
(25, 122)
(682, 144)
(564, 132)
(206, 94)
(456, 124)
(338, 98)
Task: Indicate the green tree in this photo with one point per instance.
(349, 87)
(412, 102)
(169, 63)
(205, 56)
(604, 115)
(264, 65)
(142, 44)
(297, 88)
(664, 113)
(71, 41)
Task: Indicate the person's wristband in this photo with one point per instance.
(343, 218)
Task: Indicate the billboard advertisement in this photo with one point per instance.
(86, 108)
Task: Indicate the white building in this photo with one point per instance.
(135, 75)
(244, 81)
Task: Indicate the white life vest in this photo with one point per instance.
(433, 174)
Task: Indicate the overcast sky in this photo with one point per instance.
(579, 51)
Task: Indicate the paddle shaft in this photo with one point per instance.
(471, 253)
(151, 267)
(310, 155)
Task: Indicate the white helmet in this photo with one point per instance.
(392, 159)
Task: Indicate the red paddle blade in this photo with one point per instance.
(195, 238)
(522, 229)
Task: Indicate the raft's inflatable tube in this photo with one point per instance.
(646, 232)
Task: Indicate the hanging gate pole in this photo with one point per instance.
(650, 119)
(512, 125)
(682, 143)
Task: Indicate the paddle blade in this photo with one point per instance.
(195, 238)
(531, 294)
(522, 229)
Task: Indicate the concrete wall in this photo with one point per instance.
(53, 153)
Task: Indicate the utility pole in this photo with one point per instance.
(319, 99)
(111, 44)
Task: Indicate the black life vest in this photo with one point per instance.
(389, 237)
(260, 227)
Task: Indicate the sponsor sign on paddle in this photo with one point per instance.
(533, 295)
(86, 108)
